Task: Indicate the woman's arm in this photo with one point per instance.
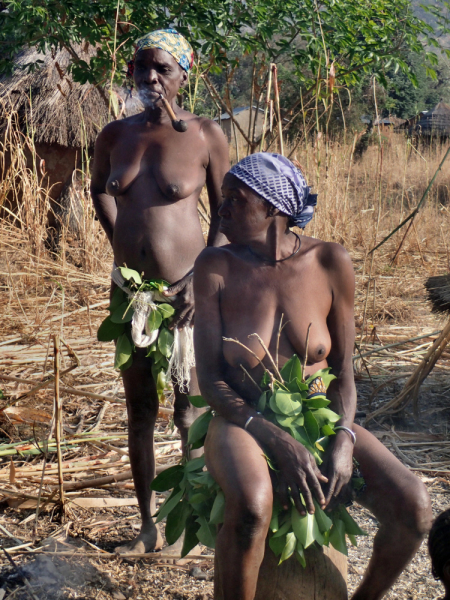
(219, 164)
(298, 469)
(342, 391)
(105, 205)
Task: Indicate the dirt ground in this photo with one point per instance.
(71, 555)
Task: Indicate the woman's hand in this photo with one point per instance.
(339, 465)
(184, 301)
(298, 473)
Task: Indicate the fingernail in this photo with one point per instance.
(285, 507)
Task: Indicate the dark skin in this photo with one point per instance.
(239, 290)
(146, 183)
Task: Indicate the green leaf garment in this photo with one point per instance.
(196, 503)
(140, 316)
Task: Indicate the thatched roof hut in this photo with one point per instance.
(434, 122)
(61, 111)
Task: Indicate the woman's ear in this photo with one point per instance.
(184, 78)
(272, 211)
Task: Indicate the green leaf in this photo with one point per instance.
(289, 548)
(324, 522)
(122, 314)
(154, 320)
(337, 536)
(169, 504)
(197, 498)
(166, 310)
(206, 533)
(317, 402)
(168, 479)
(197, 401)
(284, 528)
(327, 430)
(218, 509)
(274, 521)
(195, 464)
(284, 421)
(176, 521)
(286, 403)
(262, 402)
(351, 526)
(311, 426)
(117, 298)
(324, 416)
(292, 369)
(123, 351)
(109, 331)
(130, 274)
(297, 386)
(199, 427)
(300, 555)
(190, 536)
(353, 540)
(165, 342)
(277, 544)
(305, 528)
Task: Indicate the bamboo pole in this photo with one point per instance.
(58, 418)
(266, 110)
(277, 106)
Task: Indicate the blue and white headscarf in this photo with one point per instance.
(278, 181)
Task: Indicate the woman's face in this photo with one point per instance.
(157, 72)
(244, 214)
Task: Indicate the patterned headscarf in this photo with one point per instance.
(172, 42)
(278, 181)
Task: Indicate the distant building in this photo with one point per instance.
(242, 116)
(431, 123)
(390, 121)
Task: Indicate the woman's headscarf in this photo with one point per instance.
(278, 181)
(172, 42)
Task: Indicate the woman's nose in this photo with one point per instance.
(151, 76)
(223, 209)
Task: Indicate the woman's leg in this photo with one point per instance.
(401, 504)
(236, 462)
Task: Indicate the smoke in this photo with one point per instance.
(148, 98)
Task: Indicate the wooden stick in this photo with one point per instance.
(266, 350)
(277, 105)
(266, 110)
(58, 419)
(306, 351)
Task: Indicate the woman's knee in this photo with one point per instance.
(249, 512)
(411, 508)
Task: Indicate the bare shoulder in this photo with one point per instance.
(213, 260)
(212, 131)
(332, 257)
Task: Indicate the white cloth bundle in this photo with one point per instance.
(182, 357)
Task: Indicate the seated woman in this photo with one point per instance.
(245, 287)
(439, 549)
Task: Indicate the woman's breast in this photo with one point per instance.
(172, 175)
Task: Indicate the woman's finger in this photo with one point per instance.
(331, 489)
(283, 494)
(307, 496)
(314, 484)
(295, 495)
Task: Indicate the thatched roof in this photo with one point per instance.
(434, 122)
(61, 111)
(438, 292)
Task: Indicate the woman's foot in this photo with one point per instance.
(149, 540)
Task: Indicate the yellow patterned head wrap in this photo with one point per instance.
(172, 42)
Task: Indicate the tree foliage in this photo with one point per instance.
(354, 37)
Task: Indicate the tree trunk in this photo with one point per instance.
(324, 578)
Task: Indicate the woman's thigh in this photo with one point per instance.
(237, 463)
(393, 493)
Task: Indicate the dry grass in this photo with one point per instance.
(65, 292)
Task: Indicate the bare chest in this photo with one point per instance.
(258, 300)
(171, 164)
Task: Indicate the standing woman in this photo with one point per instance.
(268, 271)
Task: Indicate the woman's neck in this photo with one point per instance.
(280, 244)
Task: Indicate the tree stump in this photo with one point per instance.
(324, 578)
